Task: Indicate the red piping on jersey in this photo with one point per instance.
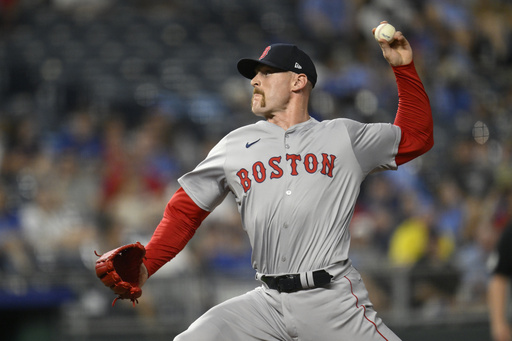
(364, 308)
(414, 115)
(181, 219)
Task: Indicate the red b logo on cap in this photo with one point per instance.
(264, 53)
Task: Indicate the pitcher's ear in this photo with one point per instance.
(300, 81)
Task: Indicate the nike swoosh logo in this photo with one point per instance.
(247, 145)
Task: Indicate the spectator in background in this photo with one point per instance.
(498, 288)
(434, 278)
(409, 241)
(471, 260)
(79, 135)
(450, 209)
(53, 228)
(14, 256)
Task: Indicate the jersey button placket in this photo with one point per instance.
(288, 192)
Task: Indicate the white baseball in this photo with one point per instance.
(385, 31)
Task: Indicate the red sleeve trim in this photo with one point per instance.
(181, 219)
(414, 115)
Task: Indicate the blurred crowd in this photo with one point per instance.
(104, 104)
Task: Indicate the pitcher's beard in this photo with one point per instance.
(262, 100)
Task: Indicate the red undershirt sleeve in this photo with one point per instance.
(414, 115)
(180, 221)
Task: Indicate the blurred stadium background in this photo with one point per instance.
(104, 103)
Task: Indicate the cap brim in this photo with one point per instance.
(247, 67)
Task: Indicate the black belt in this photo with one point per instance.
(292, 283)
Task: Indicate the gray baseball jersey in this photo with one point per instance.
(295, 189)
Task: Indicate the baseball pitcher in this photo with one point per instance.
(295, 181)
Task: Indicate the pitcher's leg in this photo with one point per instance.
(252, 316)
(372, 328)
(340, 312)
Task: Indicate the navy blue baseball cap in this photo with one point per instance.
(286, 57)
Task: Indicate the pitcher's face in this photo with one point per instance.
(272, 88)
